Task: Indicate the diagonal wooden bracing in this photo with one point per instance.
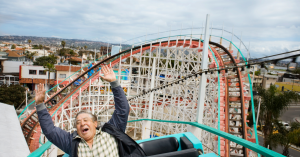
(175, 59)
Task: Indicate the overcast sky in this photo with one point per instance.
(271, 26)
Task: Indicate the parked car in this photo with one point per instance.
(285, 124)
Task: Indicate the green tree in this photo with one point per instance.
(80, 53)
(91, 53)
(12, 95)
(29, 41)
(285, 137)
(128, 60)
(49, 67)
(40, 46)
(257, 73)
(46, 47)
(63, 44)
(23, 48)
(133, 60)
(85, 47)
(62, 53)
(13, 46)
(72, 53)
(30, 55)
(42, 61)
(35, 47)
(89, 58)
(273, 103)
(296, 71)
(48, 63)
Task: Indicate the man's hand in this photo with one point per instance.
(109, 74)
(40, 94)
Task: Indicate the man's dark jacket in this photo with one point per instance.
(115, 126)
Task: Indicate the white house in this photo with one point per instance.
(9, 71)
(31, 75)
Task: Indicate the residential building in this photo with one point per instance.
(288, 86)
(264, 81)
(289, 77)
(104, 50)
(15, 55)
(39, 52)
(19, 48)
(258, 80)
(269, 80)
(4, 48)
(31, 75)
(74, 60)
(9, 80)
(9, 71)
(3, 54)
(87, 55)
(64, 71)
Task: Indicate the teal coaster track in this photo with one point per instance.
(255, 147)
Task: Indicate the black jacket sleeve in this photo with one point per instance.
(56, 135)
(120, 115)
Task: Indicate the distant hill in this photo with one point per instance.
(54, 41)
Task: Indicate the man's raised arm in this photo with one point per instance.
(120, 116)
(57, 136)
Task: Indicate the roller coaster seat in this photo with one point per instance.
(160, 146)
(192, 152)
(182, 144)
(186, 143)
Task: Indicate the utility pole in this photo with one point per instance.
(258, 110)
(293, 85)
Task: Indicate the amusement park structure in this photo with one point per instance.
(182, 78)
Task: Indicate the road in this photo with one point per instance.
(287, 116)
(293, 152)
(291, 113)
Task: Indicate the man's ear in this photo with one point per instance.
(95, 124)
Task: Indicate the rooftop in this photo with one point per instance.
(256, 76)
(18, 48)
(67, 67)
(74, 59)
(13, 54)
(292, 76)
(271, 76)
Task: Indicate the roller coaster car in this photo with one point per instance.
(176, 145)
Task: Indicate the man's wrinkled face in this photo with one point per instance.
(86, 128)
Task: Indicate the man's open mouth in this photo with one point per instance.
(85, 130)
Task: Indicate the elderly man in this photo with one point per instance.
(89, 140)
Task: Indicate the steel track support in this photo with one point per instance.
(119, 72)
(89, 97)
(202, 86)
(71, 109)
(147, 124)
(79, 99)
(130, 75)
